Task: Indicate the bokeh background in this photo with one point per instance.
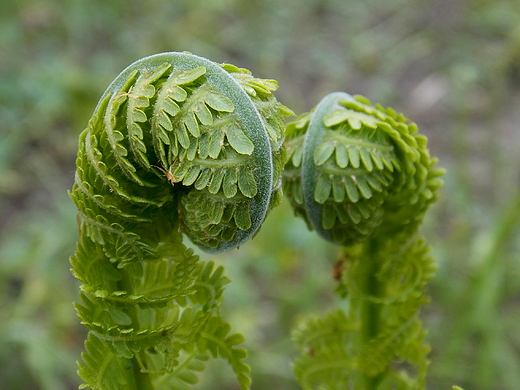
(451, 66)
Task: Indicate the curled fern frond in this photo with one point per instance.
(362, 177)
(177, 144)
(182, 119)
(353, 166)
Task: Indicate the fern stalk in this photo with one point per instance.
(142, 380)
(361, 177)
(370, 312)
(177, 145)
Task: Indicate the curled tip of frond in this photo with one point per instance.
(176, 144)
(179, 119)
(353, 167)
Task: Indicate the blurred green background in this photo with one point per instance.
(451, 66)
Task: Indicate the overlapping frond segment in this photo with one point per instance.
(180, 119)
(114, 374)
(362, 177)
(416, 185)
(325, 361)
(156, 315)
(335, 350)
(107, 370)
(351, 165)
(407, 267)
(139, 301)
(177, 144)
(183, 376)
(273, 115)
(292, 173)
(217, 340)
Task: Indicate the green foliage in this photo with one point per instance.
(176, 144)
(452, 67)
(361, 166)
(362, 177)
(325, 360)
(180, 118)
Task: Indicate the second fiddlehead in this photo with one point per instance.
(177, 144)
(362, 177)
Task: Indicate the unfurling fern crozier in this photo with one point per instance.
(352, 166)
(177, 144)
(362, 177)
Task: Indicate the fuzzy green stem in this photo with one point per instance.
(370, 312)
(142, 379)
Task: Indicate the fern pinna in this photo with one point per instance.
(177, 144)
(361, 176)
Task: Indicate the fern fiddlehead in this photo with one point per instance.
(177, 144)
(361, 176)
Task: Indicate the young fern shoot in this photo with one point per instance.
(361, 176)
(177, 144)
